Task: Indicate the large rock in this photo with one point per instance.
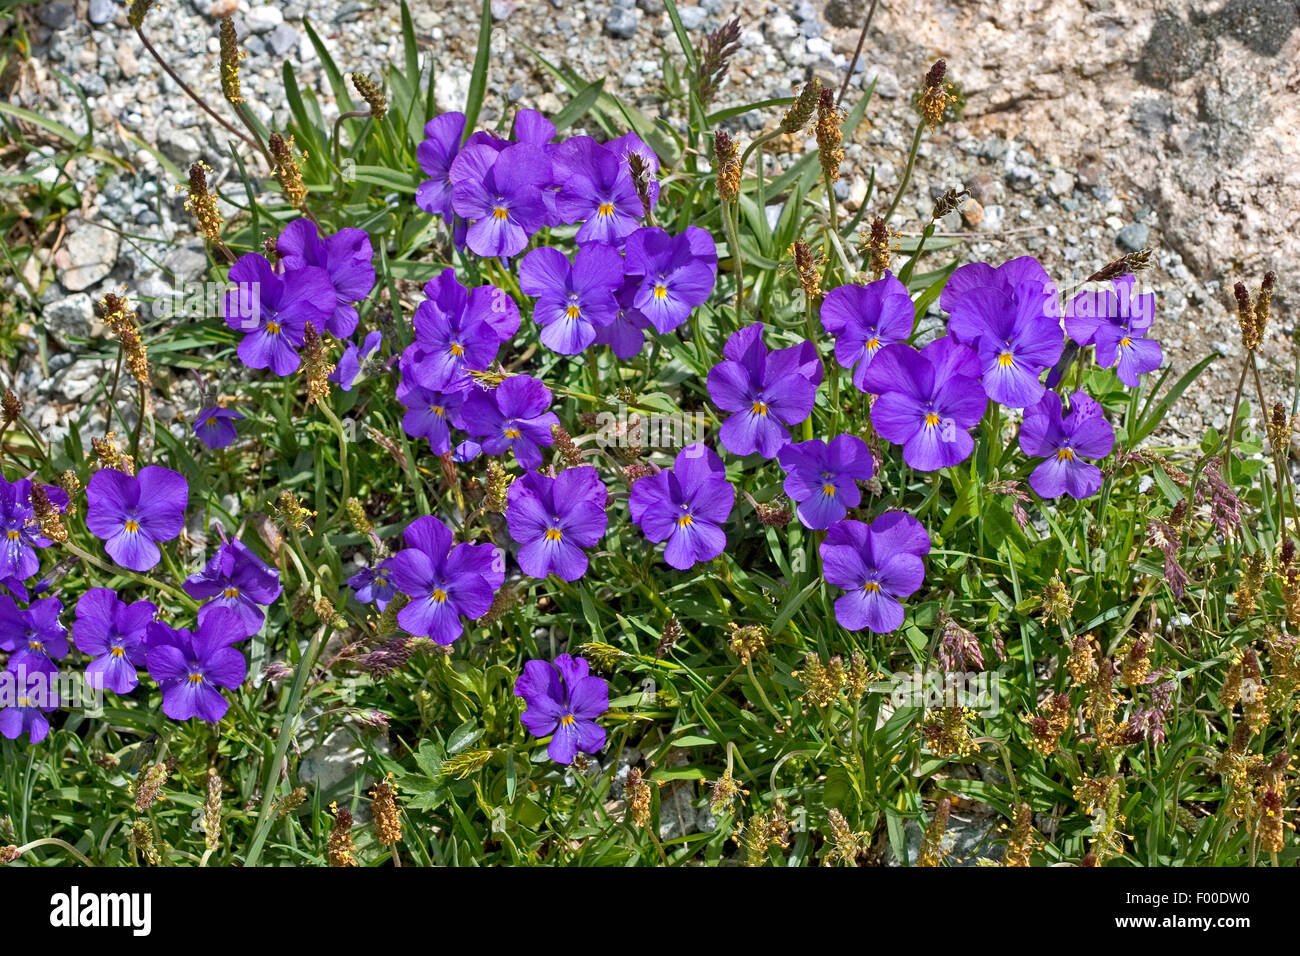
(87, 256)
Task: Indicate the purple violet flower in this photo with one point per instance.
(430, 414)
(625, 334)
(112, 632)
(596, 189)
(513, 417)
(555, 519)
(347, 258)
(500, 193)
(237, 579)
(190, 666)
(33, 697)
(349, 364)
(215, 427)
(20, 529)
(674, 273)
(927, 401)
(572, 300)
(632, 143)
(685, 505)
(273, 310)
(442, 136)
(563, 699)
(33, 636)
(442, 581)
(864, 319)
(1116, 320)
(823, 477)
(876, 564)
(374, 585)
(131, 514)
(457, 331)
(1064, 442)
(765, 391)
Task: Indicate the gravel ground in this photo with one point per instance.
(1089, 128)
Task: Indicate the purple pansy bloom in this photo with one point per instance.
(347, 258)
(563, 699)
(864, 319)
(554, 519)
(625, 334)
(500, 193)
(456, 331)
(823, 477)
(928, 400)
(131, 514)
(273, 310)
(596, 189)
(34, 637)
(442, 136)
(237, 579)
(20, 529)
(442, 581)
(1011, 316)
(215, 427)
(190, 666)
(430, 414)
(764, 391)
(572, 300)
(877, 564)
(686, 506)
(33, 698)
(374, 584)
(112, 632)
(514, 417)
(673, 274)
(1064, 442)
(632, 143)
(1116, 320)
(349, 365)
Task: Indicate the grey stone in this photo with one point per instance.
(87, 256)
(652, 7)
(846, 13)
(1262, 25)
(1132, 237)
(283, 39)
(1061, 183)
(180, 147)
(621, 23)
(58, 14)
(264, 19)
(501, 9)
(1175, 50)
(102, 11)
(692, 17)
(69, 317)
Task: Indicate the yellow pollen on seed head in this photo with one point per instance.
(512, 433)
(567, 720)
(685, 521)
(571, 312)
(606, 209)
(554, 534)
(871, 586)
(439, 595)
(931, 419)
(132, 526)
(499, 212)
(1065, 454)
(273, 328)
(1006, 359)
(457, 349)
(661, 291)
(760, 408)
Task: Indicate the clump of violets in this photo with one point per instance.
(237, 579)
(374, 585)
(272, 310)
(33, 635)
(928, 401)
(573, 301)
(1116, 320)
(877, 565)
(686, 506)
(32, 697)
(1064, 441)
(512, 417)
(1011, 316)
(113, 633)
(822, 477)
(563, 700)
(191, 666)
(555, 519)
(132, 514)
(444, 582)
(670, 275)
(21, 531)
(347, 259)
(765, 391)
(215, 427)
(864, 319)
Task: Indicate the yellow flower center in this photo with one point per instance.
(684, 521)
(1065, 454)
(661, 291)
(512, 432)
(230, 592)
(273, 328)
(567, 720)
(196, 678)
(931, 419)
(499, 212)
(1125, 342)
(13, 534)
(132, 526)
(25, 702)
(118, 652)
(571, 312)
(606, 209)
(457, 349)
(828, 490)
(871, 586)
(1006, 359)
(760, 408)
(212, 423)
(439, 595)
(554, 534)
(438, 410)
(34, 645)
(873, 344)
